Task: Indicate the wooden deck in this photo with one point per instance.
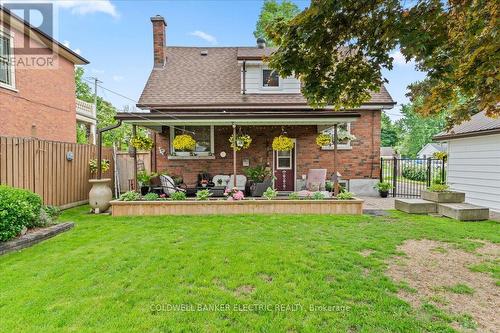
(224, 207)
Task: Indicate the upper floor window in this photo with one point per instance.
(270, 78)
(6, 66)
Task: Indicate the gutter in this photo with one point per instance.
(466, 135)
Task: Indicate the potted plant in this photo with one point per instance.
(184, 144)
(259, 179)
(323, 140)
(383, 188)
(142, 143)
(234, 194)
(144, 180)
(441, 193)
(100, 194)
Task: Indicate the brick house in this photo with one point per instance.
(205, 91)
(37, 82)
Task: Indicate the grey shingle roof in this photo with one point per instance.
(191, 80)
(478, 124)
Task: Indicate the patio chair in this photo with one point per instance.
(168, 185)
(220, 180)
(241, 181)
(315, 182)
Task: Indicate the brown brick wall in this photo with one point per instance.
(44, 104)
(362, 161)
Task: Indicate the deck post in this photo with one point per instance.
(134, 134)
(335, 176)
(234, 155)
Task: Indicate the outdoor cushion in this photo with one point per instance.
(223, 178)
(168, 185)
(241, 181)
(316, 176)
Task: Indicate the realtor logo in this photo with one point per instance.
(33, 51)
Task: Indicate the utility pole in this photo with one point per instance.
(96, 82)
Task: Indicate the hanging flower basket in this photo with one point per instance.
(324, 140)
(241, 142)
(141, 143)
(184, 142)
(344, 136)
(282, 143)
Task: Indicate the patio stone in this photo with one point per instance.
(463, 211)
(415, 206)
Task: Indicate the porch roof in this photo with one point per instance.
(248, 117)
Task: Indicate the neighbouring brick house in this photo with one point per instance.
(205, 91)
(37, 85)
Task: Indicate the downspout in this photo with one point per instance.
(99, 146)
(244, 77)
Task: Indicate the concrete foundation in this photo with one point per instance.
(363, 187)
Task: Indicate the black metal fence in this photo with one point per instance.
(409, 176)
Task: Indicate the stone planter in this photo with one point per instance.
(443, 197)
(100, 195)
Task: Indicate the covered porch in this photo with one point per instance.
(214, 158)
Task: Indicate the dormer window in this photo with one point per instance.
(270, 78)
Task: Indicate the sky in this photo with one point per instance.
(116, 37)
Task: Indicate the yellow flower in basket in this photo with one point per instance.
(282, 143)
(184, 142)
(324, 140)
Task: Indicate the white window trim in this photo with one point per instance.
(278, 159)
(280, 80)
(195, 156)
(12, 86)
(340, 146)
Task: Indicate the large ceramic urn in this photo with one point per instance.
(100, 195)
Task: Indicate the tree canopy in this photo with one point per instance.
(106, 113)
(338, 48)
(389, 132)
(271, 12)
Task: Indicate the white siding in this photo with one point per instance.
(474, 168)
(289, 85)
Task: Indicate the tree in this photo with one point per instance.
(337, 48)
(272, 11)
(418, 130)
(389, 132)
(106, 113)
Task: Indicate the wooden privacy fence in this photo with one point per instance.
(44, 168)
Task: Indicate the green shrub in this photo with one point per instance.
(438, 188)
(383, 186)
(317, 196)
(178, 196)
(151, 196)
(345, 196)
(130, 196)
(203, 194)
(18, 209)
(48, 215)
(293, 196)
(418, 173)
(270, 194)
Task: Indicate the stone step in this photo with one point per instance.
(463, 211)
(415, 206)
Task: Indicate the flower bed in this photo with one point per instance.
(225, 207)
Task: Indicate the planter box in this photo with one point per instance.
(443, 197)
(223, 207)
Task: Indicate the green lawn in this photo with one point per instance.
(269, 274)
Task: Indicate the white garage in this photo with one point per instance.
(474, 160)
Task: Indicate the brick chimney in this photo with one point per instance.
(159, 40)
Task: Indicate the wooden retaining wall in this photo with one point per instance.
(223, 207)
(41, 166)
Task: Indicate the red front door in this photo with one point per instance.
(284, 170)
